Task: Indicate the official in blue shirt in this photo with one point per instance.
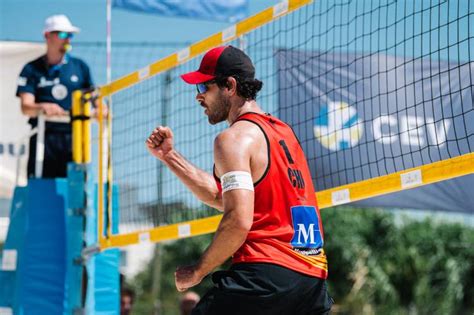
(46, 85)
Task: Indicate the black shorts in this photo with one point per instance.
(264, 289)
(57, 154)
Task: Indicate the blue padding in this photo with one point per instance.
(90, 236)
(46, 229)
(15, 240)
(76, 176)
(103, 289)
(42, 267)
(103, 285)
(74, 238)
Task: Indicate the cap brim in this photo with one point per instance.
(196, 77)
(71, 29)
(74, 29)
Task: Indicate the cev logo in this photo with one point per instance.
(338, 126)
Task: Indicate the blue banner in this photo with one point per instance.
(361, 116)
(215, 10)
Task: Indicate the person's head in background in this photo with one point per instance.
(187, 302)
(127, 297)
(58, 32)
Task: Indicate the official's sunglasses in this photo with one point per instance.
(65, 35)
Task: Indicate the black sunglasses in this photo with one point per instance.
(204, 87)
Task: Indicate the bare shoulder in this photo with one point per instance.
(240, 135)
(233, 147)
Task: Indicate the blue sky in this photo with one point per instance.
(22, 20)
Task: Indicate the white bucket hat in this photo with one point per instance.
(59, 23)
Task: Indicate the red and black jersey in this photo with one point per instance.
(287, 228)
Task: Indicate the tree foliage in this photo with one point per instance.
(414, 267)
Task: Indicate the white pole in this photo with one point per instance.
(39, 158)
(23, 142)
(108, 127)
(109, 41)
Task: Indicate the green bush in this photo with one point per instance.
(379, 267)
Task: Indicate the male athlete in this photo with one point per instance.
(271, 224)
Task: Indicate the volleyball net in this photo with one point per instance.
(380, 95)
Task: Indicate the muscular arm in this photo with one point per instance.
(238, 211)
(30, 108)
(200, 183)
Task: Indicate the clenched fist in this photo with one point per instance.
(160, 142)
(187, 277)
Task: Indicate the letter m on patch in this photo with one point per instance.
(306, 227)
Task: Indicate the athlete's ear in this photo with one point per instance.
(232, 85)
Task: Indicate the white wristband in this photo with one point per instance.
(236, 180)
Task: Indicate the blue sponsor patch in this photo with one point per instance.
(306, 225)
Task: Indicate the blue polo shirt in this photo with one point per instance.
(54, 83)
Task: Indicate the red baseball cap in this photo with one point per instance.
(223, 61)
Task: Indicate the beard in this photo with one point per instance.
(221, 111)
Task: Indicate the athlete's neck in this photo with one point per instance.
(238, 110)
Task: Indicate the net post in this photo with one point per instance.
(77, 131)
(86, 141)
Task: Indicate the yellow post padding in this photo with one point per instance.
(86, 126)
(77, 154)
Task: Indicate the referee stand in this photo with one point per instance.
(45, 267)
